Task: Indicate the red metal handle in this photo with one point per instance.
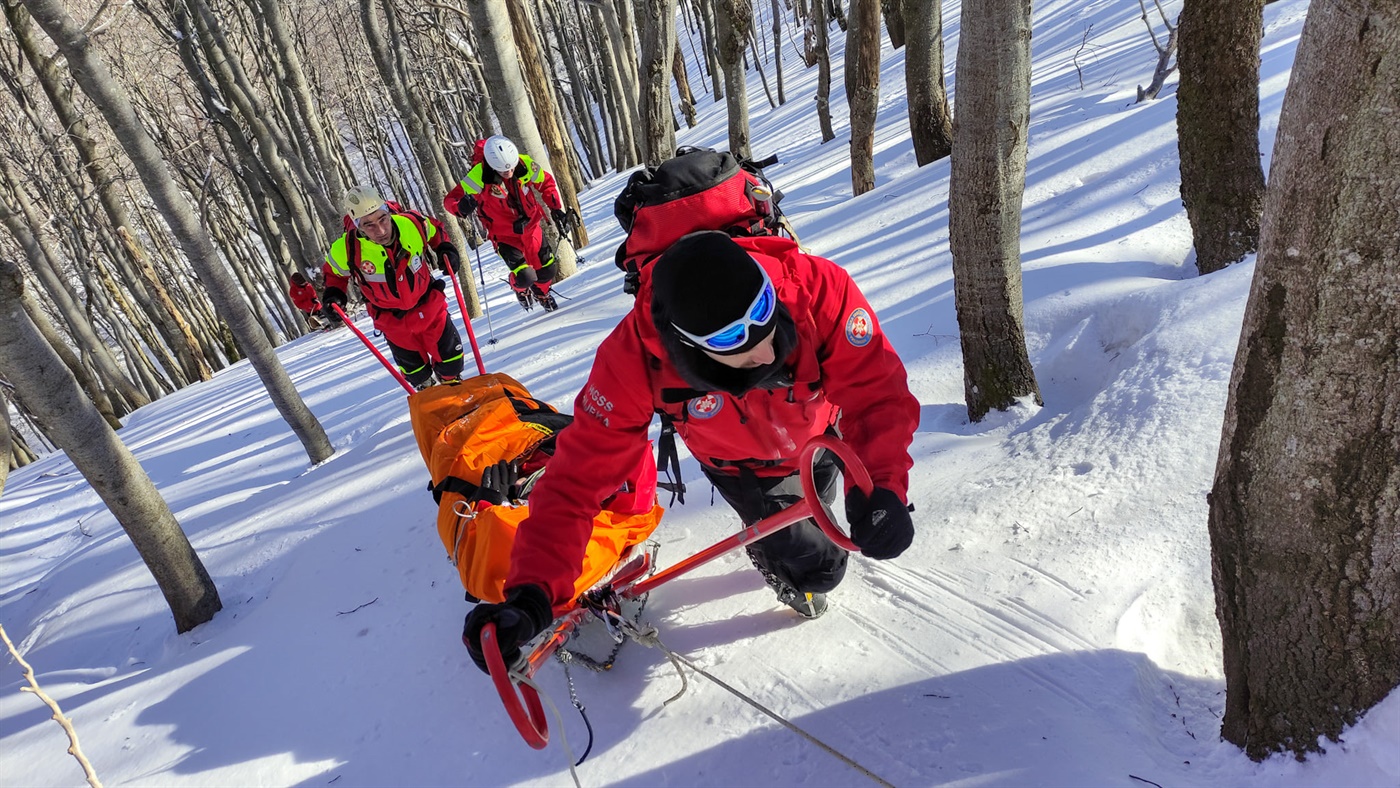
(523, 705)
(853, 468)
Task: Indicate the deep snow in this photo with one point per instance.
(1053, 623)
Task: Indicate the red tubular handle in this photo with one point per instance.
(523, 706)
(859, 476)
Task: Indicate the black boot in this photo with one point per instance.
(527, 301)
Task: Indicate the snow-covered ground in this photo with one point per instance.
(1053, 623)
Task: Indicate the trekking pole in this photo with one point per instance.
(403, 381)
(482, 272)
(467, 321)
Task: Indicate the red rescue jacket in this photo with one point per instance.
(304, 297)
(842, 363)
(393, 278)
(504, 207)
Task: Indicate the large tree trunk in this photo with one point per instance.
(733, 18)
(71, 421)
(1217, 119)
(984, 202)
(930, 119)
(1305, 510)
(658, 54)
(95, 80)
(863, 90)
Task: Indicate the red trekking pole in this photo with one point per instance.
(467, 321)
(403, 381)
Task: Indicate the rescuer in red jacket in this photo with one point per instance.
(504, 189)
(390, 252)
(751, 347)
(304, 298)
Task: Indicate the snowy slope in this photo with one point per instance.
(1053, 623)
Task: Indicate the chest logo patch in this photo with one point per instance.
(859, 328)
(705, 407)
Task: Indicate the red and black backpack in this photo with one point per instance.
(698, 189)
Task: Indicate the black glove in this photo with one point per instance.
(449, 259)
(466, 206)
(498, 483)
(525, 613)
(334, 295)
(880, 524)
(520, 225)
(438, 285)
(561, 220)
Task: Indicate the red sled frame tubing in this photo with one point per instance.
(467, 321)
(522, 702)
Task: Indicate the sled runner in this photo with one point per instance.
(634, 579)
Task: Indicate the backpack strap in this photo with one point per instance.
(668, 460)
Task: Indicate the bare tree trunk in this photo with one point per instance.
(863, 90)
(659, 47)
(778, 49)
(708, 9)
(930, 119)
(1217, 118)
(893, 11)
(95, 80)
(822, 48)
(984, 202)
(75, 425)
(733, 18)
(682, 79)
(618, 62)
(1304, 519)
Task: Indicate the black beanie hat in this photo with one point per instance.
(704, 282)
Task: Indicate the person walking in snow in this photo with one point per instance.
(750, 347)
(389, 252)
(304, 298)
(503, 188)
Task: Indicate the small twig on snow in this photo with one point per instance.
(1139, 779)
(367, 604)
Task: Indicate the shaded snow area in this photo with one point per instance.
(1053, 623)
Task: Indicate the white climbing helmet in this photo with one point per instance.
(361, 201)
(501, 154)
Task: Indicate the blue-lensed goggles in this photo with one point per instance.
(736, 334)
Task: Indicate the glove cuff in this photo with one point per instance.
(533, 601)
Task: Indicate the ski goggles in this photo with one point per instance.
(736, 334)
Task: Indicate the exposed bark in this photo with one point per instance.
(733, 18)
(687, 97)
(659, 47)
(1217, 119)
(822, 51)
(987, 182)
(863, 90)
(893, 11)
(930, 119)
(1305, 509)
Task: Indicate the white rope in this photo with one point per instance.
(521, 678)
(650, 638)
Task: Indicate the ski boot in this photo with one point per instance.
(547, 301)
(526, 299)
